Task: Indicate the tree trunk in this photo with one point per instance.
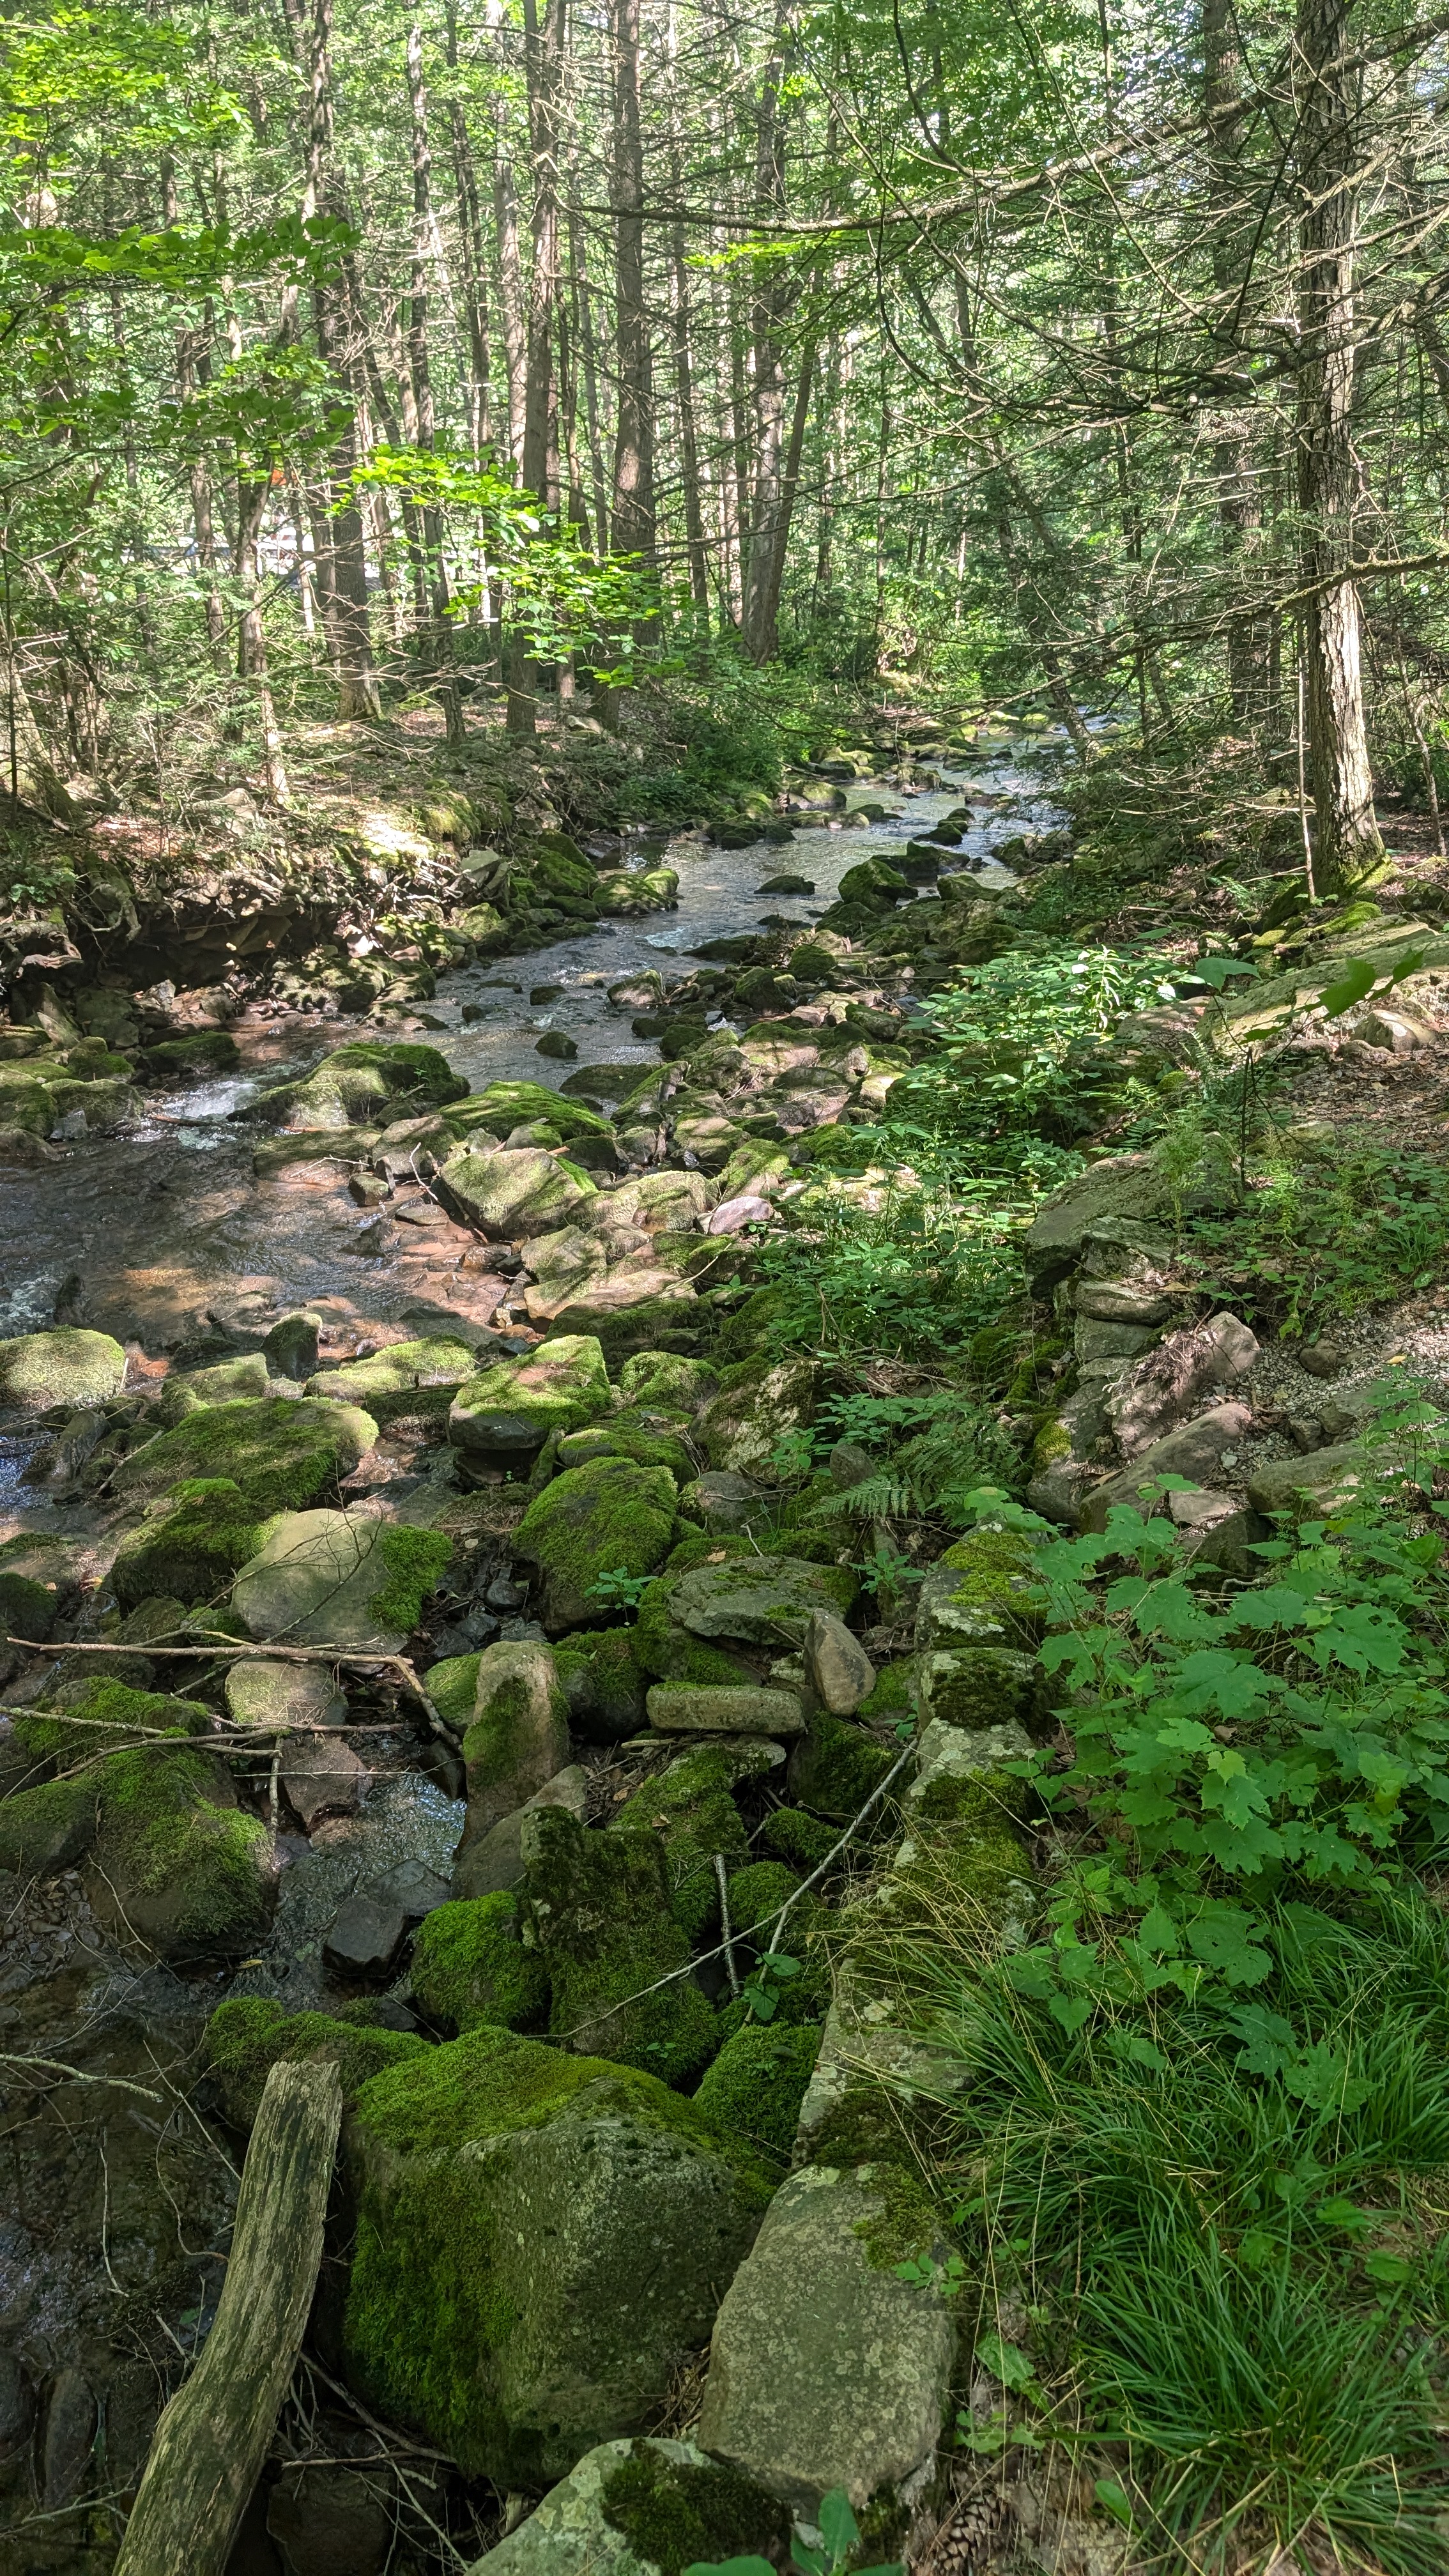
(1233, 235)
(342, 560)
(770, 305)
(475, 272)
(1346, 843)
(770, 542)
(544, 65)
(633, 526)
(251, 501)
(211, 2441)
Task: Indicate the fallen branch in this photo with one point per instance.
(213, 2436)
(213, 1646)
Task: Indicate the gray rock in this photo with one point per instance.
(519, 1733)
(826, 2370)
(1094, 1341)
(322, 1776)
(261, 1692)
(955, 1753)
(717, 1709)
(415, 1890)
(849, 1464)
(1218, 1531)
(1196, 1451)
(569, 2533)
(1324, 1480)
(840, 1670)
(759, 1601)
(313, 1580)
(1164, 1388)
(366, 1937)
(17, 2410)
(290, 1348)
(1121, 1301)
(1128, 1185)
(495, 1861)
(722, 1499)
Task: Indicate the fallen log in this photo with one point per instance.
(212, 2438)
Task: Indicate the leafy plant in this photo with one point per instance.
(831, 2555)
(619, 1589)
(761, 1989)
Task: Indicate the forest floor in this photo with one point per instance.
(775, 1272)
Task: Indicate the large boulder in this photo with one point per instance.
(689, 1816)
(363, 1084)
(540, 2235)
(283, 1453)
(826, 2368)
(641, 2508)
(506, 1193)
(225, 1383)
(407, 1377)
(177, 1865)
(599, 1911)
(66, 1366)
(329, 1579)
(1125, 1187)
(607, 1517)
(470, 1967)
(504, 1415)
(762, 1601)
(503, 1106)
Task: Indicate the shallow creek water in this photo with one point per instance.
(168, 1219)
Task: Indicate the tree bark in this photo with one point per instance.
(544, 47)
(771, 300)
(342, 562)
(475, 271)
(1346, 841)
(212, 2438)
(634, 530)
(1233, 240)
(251, 501)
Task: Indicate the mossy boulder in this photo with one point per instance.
(510, 1192)
(47, 1827)
(644, 1440)
(976, 1686)
(190, 1553)
(470, 1967)
(610, 1516)
(797, 1838)
(642, 2508)
(757, 1404)
(665, 1379)
(758, 1601)
(363, 1084)
(97, 1715)
(983, 1592)
(835, 1769)
(503, 1106)
(666, 1652)
(599, 1909)
(408, 1377)
(177, 1865)
(518, 1734)
(64, 1366)
(35, 1580)
(329, 1579)
(186, 1059)
(539, 2236)
(602, 1684)
(755, 2087)
(226, 1383)
(504, 1415)
(248, 2036)
(452, 1686)
(283, 1452)
(689, 1812)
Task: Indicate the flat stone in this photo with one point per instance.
(1194, 1451)
(717, 1709)
(365, 1937)
(1323, 1480)
(722, 1499)
(826, 2370)
(839, 1667)
(569, 2534)
(1149, 1399)
(760, 1601)
(312, 1583)
(322, 1776)
(414, 1889)
(260, 1692)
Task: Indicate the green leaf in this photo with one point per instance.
(1113, 2499)
(838, 2524)
(1350, 988)
(1006, 2362)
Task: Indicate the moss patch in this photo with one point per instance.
(600, 1910)
(415, 1562)
(668, 1653)
(247, 2037)
(675, 2516)
(690, 1812)
(470, 1967)
(186, 1871)
(191, 1553)
(606, 1517)
(101, 1718)
(282, 1453)
(837, 1766)
(453, 1687)
(802, 1840)
(755, 2087)
(602, 1684)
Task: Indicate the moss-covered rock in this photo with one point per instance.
(191, 1553)
(470, 1966)
(366, 1083)
(663, 1378)
(755, 2087)
(976, 1686)
(600, 1912)
(646, 1443)
(666, 1652)
(35, 1579)
(801, 1840)
(452, 1686)
(503, 1106)
(47, 1827)
(283, 1453)
(248, 2036)
(758, 1601)
(982, 1592)
(186, 1059)
(539, 2235)
(610, 1516)
(226, 1383)
(64, 1366)
(518, 1733)
(329, 1579)
(97, 1715)
(602, 1684)
(408, 1377)
(177, 1865)
(643, 2508)
(757, 1404)
(504, 1415)
(837, 1766)
(689, 1812)
(511, 1192)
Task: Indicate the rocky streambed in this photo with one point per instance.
(417, 1667)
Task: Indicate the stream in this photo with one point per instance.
(115, 2196)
